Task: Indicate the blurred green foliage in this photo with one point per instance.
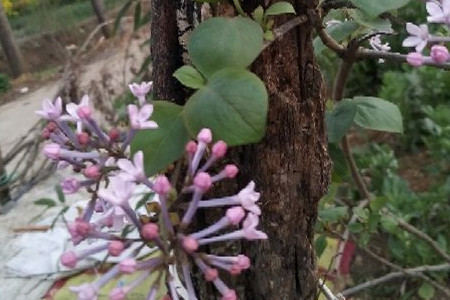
(5, 85)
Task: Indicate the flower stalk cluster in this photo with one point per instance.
(111, 176)
(420, 37)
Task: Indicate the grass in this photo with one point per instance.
(47, 18)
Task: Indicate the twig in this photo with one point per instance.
(412, 272)
(327, 292)
(398, 268)
(285, 28)
(422, 235)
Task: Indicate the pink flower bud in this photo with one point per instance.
(92, 172)
(162, 185)
(46, 133)
(235, 215)
(415, 59)
(82, 227)
(211, 274)
(243, 261)
(191, 147)
(219, 149)
(231, 171)
(114, 134)
(69, 259)
(52, 151)
(84, 112)
(150, 231)
(83, 138)
(229, 295)
(189, 244)
(115, 248)
(166, 297)
(51, 126)
(205, 136)
(118, 293)
(235, 270)
(70, 186)
(439, 54)
(202, 181)
(128, 266)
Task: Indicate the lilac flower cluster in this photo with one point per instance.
(438, 12)
(111, 176)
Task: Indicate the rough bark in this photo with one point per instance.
(99, 9)
(291, 166)
(12, 52)
(166, 51)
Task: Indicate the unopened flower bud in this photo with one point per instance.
(162, 185)
(114, 134)
(202, 181)
(69, 259)
(219, 149)
(205, 136)
(118, 293)
(439, 53)
(52, 151)
(235, 270)
(235, 215)
(115, 248)
(191, 147)
(229, 295)
(92, 172)
(128, 266)
(70, 185)
(211, 274)
(82, 227)
(231, 171)
(415, 59)
(150, 231)
(83, 138)
(46, 133)
(243, 261)
(51, 126)
(189, 244)
(84, 112)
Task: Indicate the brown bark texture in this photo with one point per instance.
(290, 165)
(9, 45)
(99, 9)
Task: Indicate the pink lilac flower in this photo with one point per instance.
(438, 12)
(87, 291)
(141, 90)
(51, 110)
(133, 171)
(118, 192)
(376, 44)
(74, 109)
(70, 186)
(139, 117)
(415, 59)
(419, 36)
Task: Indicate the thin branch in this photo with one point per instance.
(327, 292)
(398, 268)
(285, 28)
(422, 235)
(412, 272)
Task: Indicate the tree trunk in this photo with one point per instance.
(12, 52)
(290, 166)
(99, 10)
(4, 188)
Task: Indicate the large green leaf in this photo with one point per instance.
(339, 32)
(225, 42)
(189, 77)
(340, 120)
(375, 23)
(378, 114)
(233, 104)
(376, 7)
(280, 8)
(164, 145)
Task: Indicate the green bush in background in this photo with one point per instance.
(5, 85)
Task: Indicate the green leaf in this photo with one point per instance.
(320, 245)
(137, 16)
(45, 202)
(388, 223)
(339, 32)
(378, 114)
(426, 291)
(280, 8)
(233, 104)
(165, 144)
(121, 14)
(340, 120)
(269, 36)
(189, 77)
(374, 8)
(219, 43)
(355, 227)
(378, 203)
(60, 194)
(258, 15)
(375, 23)
(333, 214)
